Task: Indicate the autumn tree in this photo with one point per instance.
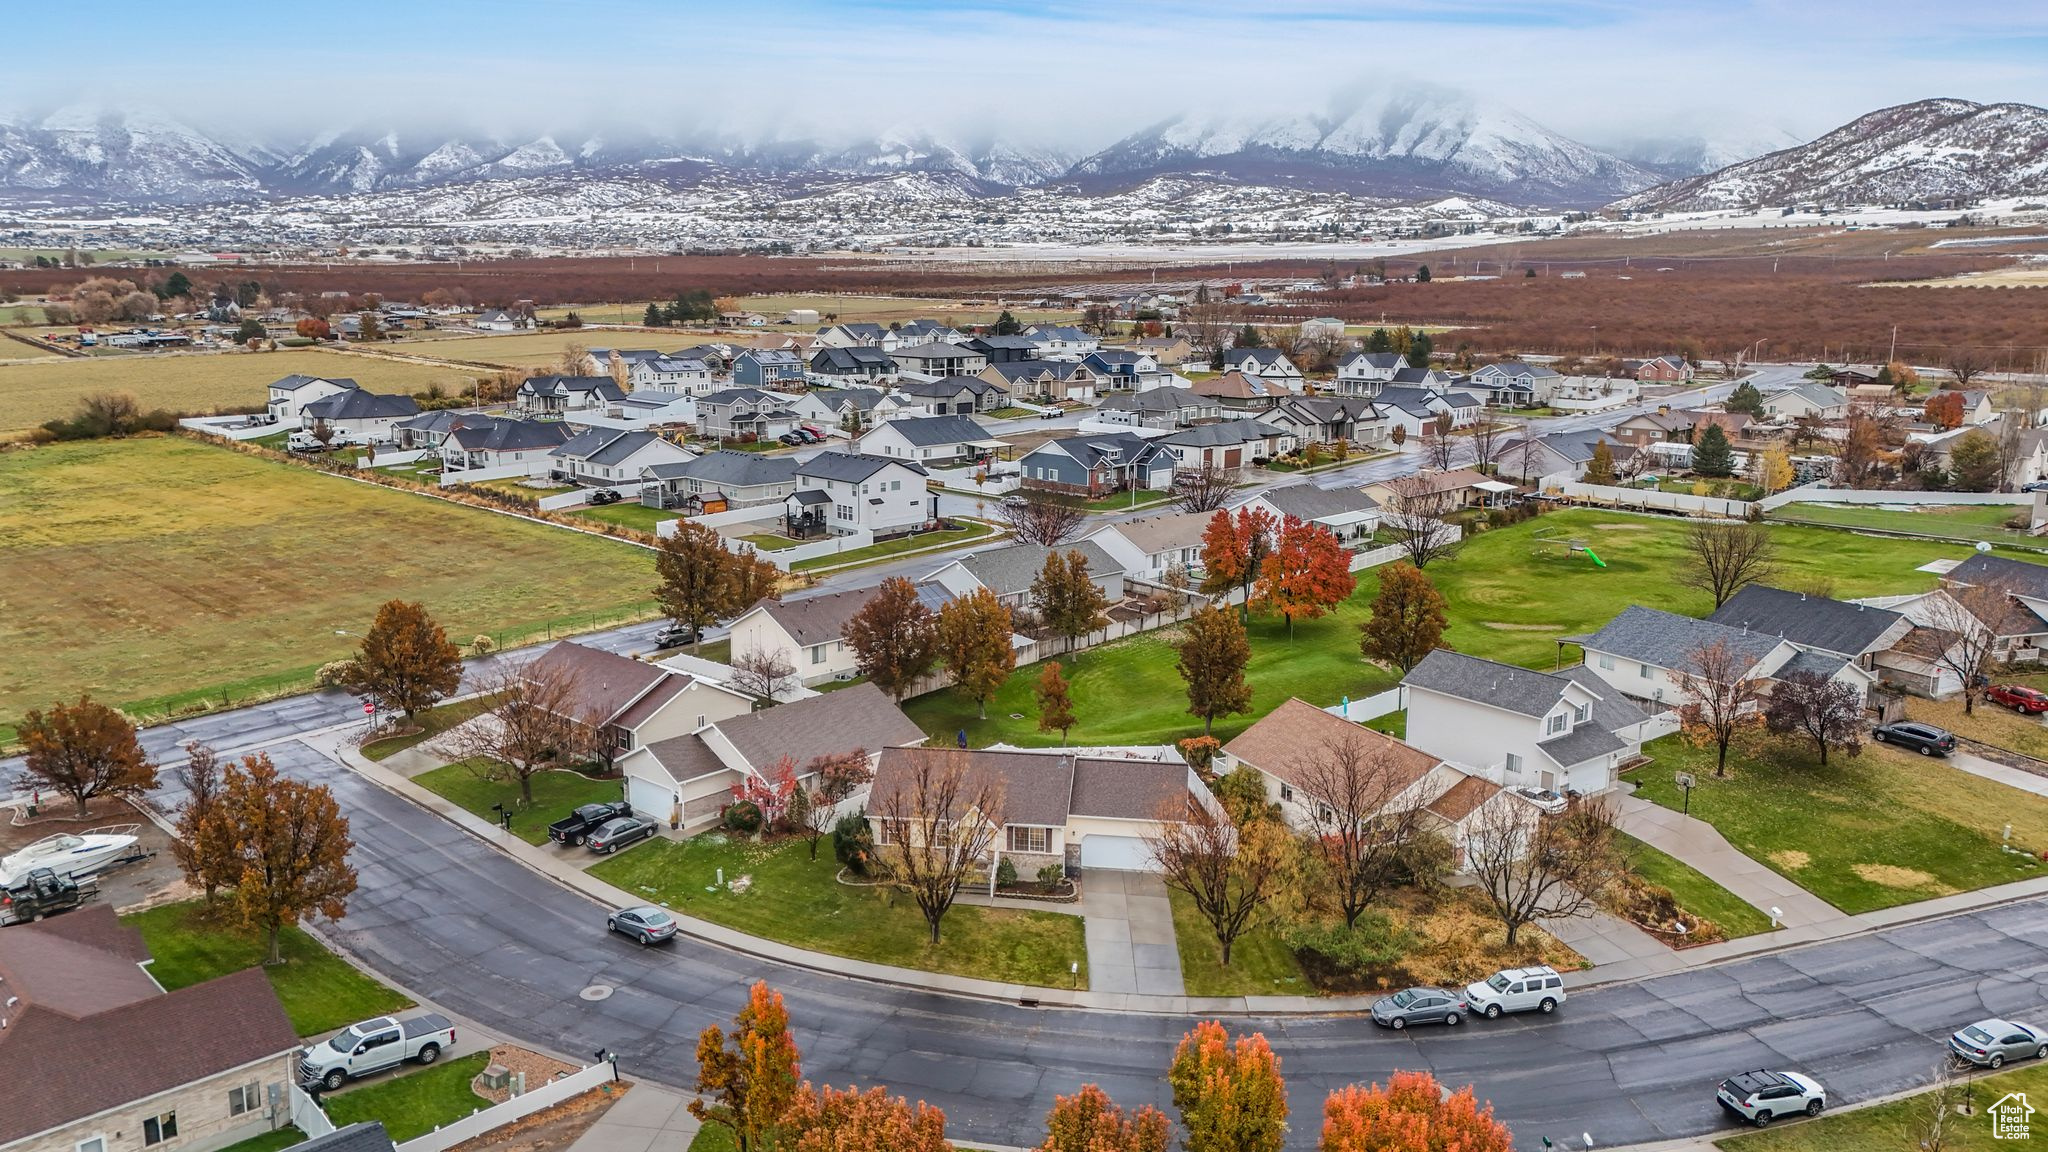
(1089, 1121)
(1418, 509)
(1861, 461)
(1047, 519)
(1900, 377)
(203, 846)
(292, 843)
(1726, 556)
(1964, 365)
(1711, 453)
(1055, 701)
(1214, 651)
(894, 637)
(534, 723)
(575, 360)
(1944, 410)
(1356, 829)
(1600, 469)
(1205, 488)
(83, 750)
(938, 819)
(974, 644)
(1413, 1113)
(406, 662)
(702, 582)
(1974, 462)
(1774, 469)
(1718, 691)
(1230, 870)
(1067, 598)
(1532, 866)
(1229, 1095)
(759, 672)
(1816, 708)
(747, 1081)
(833, 778)
(849, 1120)
(1234, 549)
(1408, 618)
(314, 328)
(1306, 574)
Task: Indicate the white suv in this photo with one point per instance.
(1538, 989)
(1761, 1097)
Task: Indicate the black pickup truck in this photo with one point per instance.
(573, 828)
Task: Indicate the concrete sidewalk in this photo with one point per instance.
(647, 1118)
(1698, 844)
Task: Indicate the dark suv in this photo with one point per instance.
(1925, 739)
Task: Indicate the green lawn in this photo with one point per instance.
(1698, 894)
(769, 542)
(1891, 1127)
(1260, 965)
(269, 1141)
(1873, 831)
(1125, 501)
(430, 723)
(1968, 522)
(320, 991)
(416, 1103)
(1724, 488)
(970, 530)
(627, 514)
(796, 900)
(555, 794)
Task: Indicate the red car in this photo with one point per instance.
(2019, 699)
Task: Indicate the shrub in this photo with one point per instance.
(1425, 862)
(106, 414)
(744, 817)
(1006, 871)
(1051, 875)
(853, 843)
(335, 674)
(482, 645)
(1338, 957)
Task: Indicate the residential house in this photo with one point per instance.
(1045, 381)
(858, 364)
(1589, 393)
(717, 357)
(940, 359)
(499, 320)
(1322, 328)
(2021, 636)
(1169, 351)
(1347, 513)
(1268, 364)
(364, 414)
(1512, 383)
(102, 1058)
(1410, 409)
(1229, 444)
(810, 632)
(1004, 349)
(1241, 392)
(608, 457)
(689, 779)
(1808, 398)
(1554, 458)
(846, 492)
(1467, 487)
(935, 441)
(769, 369)
(1664, 426)
(670, 374)
(1096, 464)
(1855, 632)
(1121, 370)
(950, 395)
(848, 408)
(493, 443)
(856, 334)
(566, 395)
(1734, 425)
(629, 704)
(431, 429)
(1661, 370)
(1161, 408)
(1465, 408)
(1148, 547)
(1647, 653)
(1849, 378)
(290, 395)
(726, 478)
(1008, 572)
(1077, 812)
(1061, 341)
(1518, 728)
(1365, 373)
(748, 415)
(652, 409)
(1328, 419)
(924, 331)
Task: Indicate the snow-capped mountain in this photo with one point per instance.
(93, 152)
(1927, 150)
(1405, 142)
(1678, 155)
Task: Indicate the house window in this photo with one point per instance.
(158, 1129)
(247, 1098)
(1286, 792)
(1027, 839)
(817, 654)
(1607, 661)
(1643, 671)
(1579, 714)
(622, 739)
(93, 1144)
(1514, 763)
(1556, 724)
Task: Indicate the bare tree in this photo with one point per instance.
(1043, 518)
(938, 819)
(1488, 438)
(1437, 443)
(1535, 867)
(1964, 364)
(535, 724)
(1206, 326)
(833, 778)
(1726, 557)
(1416, 510)
(1353, 792)
(1718, 694)
(764, 674)
(1229, 872)
(1935, 1122)
(1818, 708)
(1967, 619)
(1204, 489)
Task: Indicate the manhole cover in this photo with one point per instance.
(596, 992)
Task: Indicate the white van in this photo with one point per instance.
(1538, 989)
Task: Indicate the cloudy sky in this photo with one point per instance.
(1077, 73)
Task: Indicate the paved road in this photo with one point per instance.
(455, 920)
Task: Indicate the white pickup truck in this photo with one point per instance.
(373, 1046)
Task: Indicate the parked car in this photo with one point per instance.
(674, 635)
(1761, 1097)
(1925, 739)
(813, 429)
(645, 924)
(373, 1046)
(791, 439)
(806, 435)
(619, 832)
(2019, 698)
(1538, 989)
(577, 826)
(605, 496)
(1418, 1006)
(1990, 1043)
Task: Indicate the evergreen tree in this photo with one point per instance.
(1600, 469)
(654, 318)
(1711, 454)
(1419, 348)
(1248, 337)
(1006, 324)
(1422, 274)
(1379, 341)
(1745, 399)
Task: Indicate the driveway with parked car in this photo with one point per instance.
(1925, 739)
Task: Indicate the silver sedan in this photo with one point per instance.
(1990, 1043)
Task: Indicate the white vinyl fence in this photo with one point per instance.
(1652, 500)
(1372, 707)
(518, 1107)
(408, 456)
(494, 472)
(233, 427)
(1822, 494)
(306, 1115)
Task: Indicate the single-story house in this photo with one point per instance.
(1095, 464)
(1555, 458)
(365, 414)
(857, 363)
(734, 479)
(1170, 351)
(1347, 513)
(500, 320)
(562, 395)
(1328, 419)
(1009, 572)
(1163, 408)
(936, 441)
(1665, 369)
(1147, 547)
(1464, 483)
(606, 457)
(1235, 389)
(493, 443)
(1046, 381)
(1853, 631)
(838, 407)
(810, 632)
(1807, 398)
(951, 396)
(1229, 444)
(857, 334)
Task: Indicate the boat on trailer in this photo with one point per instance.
(74, 854)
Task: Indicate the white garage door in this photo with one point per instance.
(1117, 854)
(649, 798)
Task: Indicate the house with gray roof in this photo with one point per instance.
(1229, 444)
(935, 358)
(1815, 623)
(1329, 419)
(1806, 398)
(935, 441)
(1365, 373)
(488, 442)
(1045, 381)
(735, 479)
(1167, 409)
(609, 458)
(1512, 383)
(1647, 653)
(1004, 349)
(858, 364)
(1346, 513)
(1098, 464)
(290, 394)
(665, 373)
(775, 369)
(950, 396)
(1009, 572)
(848, 492)
(555, 395)
(1269, 364)
(365, 414)
(749, 415)
(1556, 457)
(1147, 547)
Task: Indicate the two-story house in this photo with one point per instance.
(1122, 370)
(939, 359)
(1004, 349)
(290, 395)
(770, 369)
(1096, 464)
(849, 408)
(856, 365)
(846, 492)
(671, 374)
(857, 334)
(748, 415)
(564, 395)
(1269, 364)
(1511, 383)
(1520, 728)
(1365, 373)
(1061, 341)
(606, 457)
(500, 320)
(934, 441)
(627, 703)
(950, 395)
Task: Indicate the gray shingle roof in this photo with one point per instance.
(1808, 621)
(1611, 710)
(927, 431)
(296, 381)
(1222, 434)
(1312, 503)
(2021, 578)
(357, 404)
(947, 387)
(509, 435)
(1154, 401)
(1044, 788)
(1379, 360)
(860, 717)
(1822, 664)
(1582, 743)
(862, 399)
(1008, 571)
(729, 469)
(1487, 682)
(734, 395)
(1668, 640)
(850, 467)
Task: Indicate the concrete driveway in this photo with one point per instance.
(1129, 926)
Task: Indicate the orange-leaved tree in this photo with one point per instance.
(1234, 548)
(1410, 1114)
(1307, 574)
(1229, 1095)
(1089, 1121)
(849, 1120)
(747, 1081)
(293, 846)
(83, 750)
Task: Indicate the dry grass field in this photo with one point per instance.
(536, 350)
(31, 393)
(159, 570)
(883, 309)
